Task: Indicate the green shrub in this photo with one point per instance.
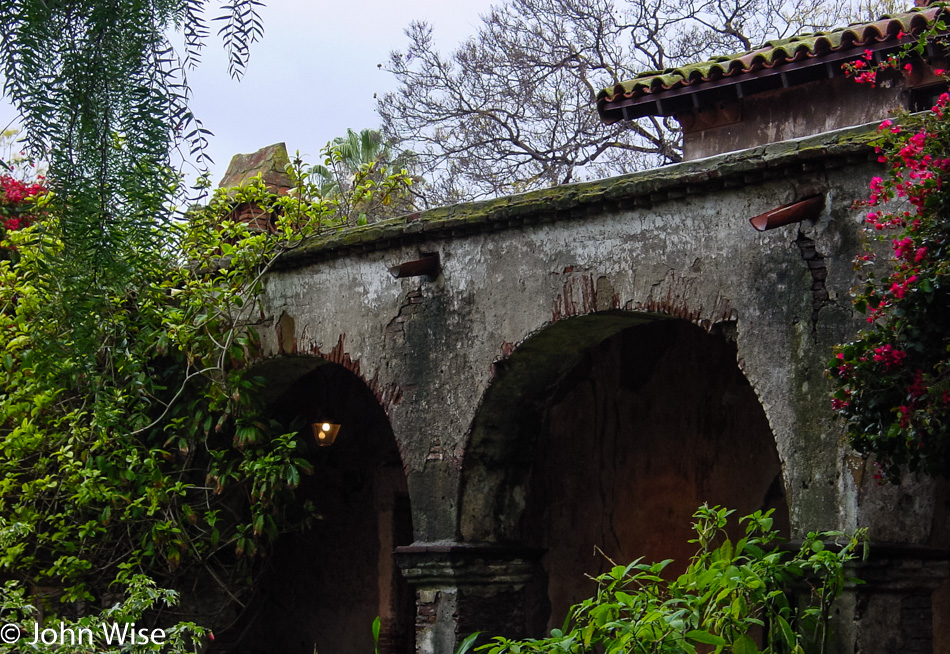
(745, 597)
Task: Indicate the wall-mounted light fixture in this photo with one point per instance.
(428, 266)
(807, 209)
(324, 432)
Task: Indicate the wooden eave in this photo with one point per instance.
(777, 64)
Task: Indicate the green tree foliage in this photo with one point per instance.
(131, 440)
(745, 597)
(103, 99)
(354, 167)
(97, 629)
(143, 449)
(103, 449)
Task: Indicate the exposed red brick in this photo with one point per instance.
(387, 396)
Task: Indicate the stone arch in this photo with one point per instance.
(324, 586)
(609, 430)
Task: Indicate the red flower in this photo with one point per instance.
(917, 389)
(903, 248)
(903, 413)
(889, 356)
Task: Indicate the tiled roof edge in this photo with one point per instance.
(776, 52)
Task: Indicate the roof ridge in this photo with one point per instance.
(774, 52)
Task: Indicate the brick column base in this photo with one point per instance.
(904, 603)
(462, 588)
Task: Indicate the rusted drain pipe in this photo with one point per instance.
(428, 266)
(807, 209)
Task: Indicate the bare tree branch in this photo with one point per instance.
(511, 108)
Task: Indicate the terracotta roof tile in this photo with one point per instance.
(772, 54)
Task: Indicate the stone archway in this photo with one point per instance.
(615, 442)
(324, 586)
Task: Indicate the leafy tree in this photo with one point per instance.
(511, 108)
(130, 438)
(97, 632)
(143, 448)
(148, 454)
(103, 99)
(354, 166)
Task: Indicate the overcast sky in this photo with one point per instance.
(314, 73)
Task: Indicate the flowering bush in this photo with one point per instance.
(17, 206)
(893, 381)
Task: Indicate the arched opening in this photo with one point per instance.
(624, 435)
(324, 586)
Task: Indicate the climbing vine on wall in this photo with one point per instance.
(132, 440)
(892, 383)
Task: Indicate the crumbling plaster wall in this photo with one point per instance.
(429, 349)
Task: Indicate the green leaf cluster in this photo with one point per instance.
(132, 438)
(743, 597)
(138, 598)
(103, 98)
(364, 178)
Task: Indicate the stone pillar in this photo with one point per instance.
(271, 164)
(904, 602)
(462, 588)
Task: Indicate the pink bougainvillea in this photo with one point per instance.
(17, 206)
(892, 383)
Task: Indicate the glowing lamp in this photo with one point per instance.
(324, 432)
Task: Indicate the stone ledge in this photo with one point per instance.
(436, 565)
(641, 189)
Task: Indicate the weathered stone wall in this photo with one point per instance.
(529, 283)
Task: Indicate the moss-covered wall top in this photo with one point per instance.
(641, 189)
